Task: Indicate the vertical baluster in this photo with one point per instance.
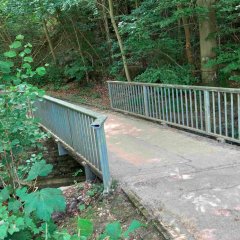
(225, 111)
(159, 103)
(121, 104)
(98, 164)
(182, 109)
(123, 98)
(84, 136)
(219, 114)
(170, 105)
(129, 92)
(134, 99)
(162, 102)
(119, 99)
(88, 128)
(196, 109)
(81, 134)
(238, 107)
(214, 112)
(178, 107)
(120, 96)
(207, 111)
(146, 101)
(111, 94)
(150, 102)
(87, 138)
(191, 107)
(141, 98)
(127, 98)
(186, 107)
(174, 109)
(155, 101)
(201, 109)
(232, 116)
(93, 147)
(137, 99)
(114, 95)
(166, 105)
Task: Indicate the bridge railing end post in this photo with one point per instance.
(103, 156)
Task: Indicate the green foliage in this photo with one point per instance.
(229, 60)
(21, 210)
(113, 231)
(40, 168)
(44, 202)
(85, 227)
(152, 31)
(167, 75)
(76, 71)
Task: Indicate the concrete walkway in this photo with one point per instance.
(189, 183)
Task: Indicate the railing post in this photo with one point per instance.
(103, 155)
(145, 96)
(90, 176)
(110, 94)
(207, 111)
(61, 150)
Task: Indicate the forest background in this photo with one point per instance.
(90, 41)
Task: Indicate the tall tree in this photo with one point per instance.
(120, 42)
(107, 32)
(207, 32)
(187, 31)
(49, 41)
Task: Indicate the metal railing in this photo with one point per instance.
(81, 130)
(208, 110)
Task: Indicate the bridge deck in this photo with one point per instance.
(190, 183)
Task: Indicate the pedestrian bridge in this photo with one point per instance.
(189, 183)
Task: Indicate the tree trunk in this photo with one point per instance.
(80, 49)
(106, 26)
(49, 41)
(136, 4)
(120, 43)
(188, 46)
(207, 30)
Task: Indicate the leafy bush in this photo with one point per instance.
(24, 210)
(228, 59)
(167, 75)
(76, 70)
(113, 231)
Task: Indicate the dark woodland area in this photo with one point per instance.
(174, 42)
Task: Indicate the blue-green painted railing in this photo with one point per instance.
(79, 129)
(208, 110)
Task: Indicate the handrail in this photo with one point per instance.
(80, 130)
(207, 110)
(100, 119)
(193, 87)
